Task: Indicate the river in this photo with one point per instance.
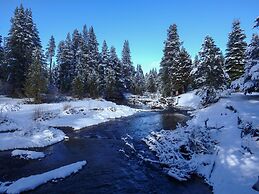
(114, 165)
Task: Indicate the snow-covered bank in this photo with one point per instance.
(214, 145)
(189, 100)
(37, 136)
(33, 181)
(25, 154)
(32, 125)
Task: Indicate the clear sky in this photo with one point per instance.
(143, 22)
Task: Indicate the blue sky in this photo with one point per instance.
(143, 22)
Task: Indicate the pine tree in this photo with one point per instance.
(50, 53)
(210, 72)
(23, 40)
(194, 73)
(251, 76)
(181, 75)
(93, 64)
(235, 52)
(127, 67)
(170, 61)
(113, 79)
(104, 67)
(55, 75)
(151, 81)
(139, 81)
(76, 45)
(64, 59)
(79, 63)
(35, 83)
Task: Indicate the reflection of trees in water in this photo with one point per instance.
(170, 120)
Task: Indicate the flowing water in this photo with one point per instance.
(113, 152)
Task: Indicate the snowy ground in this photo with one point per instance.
(188, 100)
(33, 181)
(213, 144)
(29, 125)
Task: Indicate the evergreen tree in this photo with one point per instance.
(182, 76)
(23, 40)
(79, 63)
(55, 75)
(35, 83)
(210, 72)
(235, 52)
(64, 59)
(139, 81)
(151, 81)
(127, 67)
(170, 61)
(194, 72)
(93, 64)
(113, 79)
(50, 53)
(251, 76)
(104, 67)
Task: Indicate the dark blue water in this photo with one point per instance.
(112, 151)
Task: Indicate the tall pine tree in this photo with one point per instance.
(127, 67)
(152, 81)
(93, 64)
(170, 61)
(50, 53)
(210, 68)
(114, 82)
(64, 59)
(23, 39)
(182, 78)
(235, 52)
(104, 67)
(139, 81)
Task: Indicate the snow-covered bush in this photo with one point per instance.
(178, 149)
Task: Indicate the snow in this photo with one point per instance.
(25, 154)
(33, 181)
(38, 136)
(214, 145)
(188, 100)
(33, 125)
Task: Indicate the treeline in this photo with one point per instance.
(210, 70)
(76, 66)
(80, 69)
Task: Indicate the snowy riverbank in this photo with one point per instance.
(33, 125)
(219, 143)
(33, 181)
